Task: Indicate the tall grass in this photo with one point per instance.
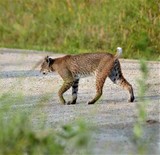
(75, 26)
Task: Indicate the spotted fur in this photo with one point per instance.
(72, 67)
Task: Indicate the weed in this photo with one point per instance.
(70, 26)
(141, 108)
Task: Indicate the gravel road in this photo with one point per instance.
(112, 116)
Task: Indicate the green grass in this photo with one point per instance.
(20, 134)
(75, 26)
(139, 126)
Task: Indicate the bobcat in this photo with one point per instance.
(72, 67)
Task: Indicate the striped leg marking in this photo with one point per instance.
(74, 92)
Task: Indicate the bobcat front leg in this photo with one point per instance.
(74, 92)
(66, 85)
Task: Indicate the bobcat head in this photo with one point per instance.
(47, 65)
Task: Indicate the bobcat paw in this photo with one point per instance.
(90, 102)
(131, 99)
(63, 102)
(68, 103)
(71, 102)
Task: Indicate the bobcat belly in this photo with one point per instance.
(83, 75)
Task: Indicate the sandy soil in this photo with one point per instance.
(112, 116)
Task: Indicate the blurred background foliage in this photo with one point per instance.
(77, 26)
(21, 133)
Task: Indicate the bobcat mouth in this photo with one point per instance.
(45, 73)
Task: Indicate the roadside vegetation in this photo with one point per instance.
(76, 26)
(21, 134)
(139, 126)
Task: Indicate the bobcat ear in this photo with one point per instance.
(49, 60)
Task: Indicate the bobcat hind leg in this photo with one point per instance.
(126, 85)
(99, 88)
(117, 77)
(103, 71)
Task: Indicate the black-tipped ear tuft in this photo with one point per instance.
(50, 61)
(47, 58)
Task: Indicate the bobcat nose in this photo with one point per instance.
(44, 73)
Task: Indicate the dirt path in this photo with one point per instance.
(113, 116)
